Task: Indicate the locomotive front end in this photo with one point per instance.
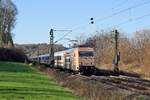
(86, 60)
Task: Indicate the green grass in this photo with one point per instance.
(22, 82)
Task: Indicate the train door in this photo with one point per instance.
(56, 62)
(68, 65)
(67, 62)
(72, 62)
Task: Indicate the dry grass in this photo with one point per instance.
(85, 87)
(135, 52)
(142, 70)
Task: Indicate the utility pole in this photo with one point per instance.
(117, 54)
(51, 49)
(38, 53)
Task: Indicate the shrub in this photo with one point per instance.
(12, 54)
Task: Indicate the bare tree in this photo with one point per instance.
(8, 12)
(81, 39)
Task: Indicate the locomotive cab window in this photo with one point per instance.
(86, 53)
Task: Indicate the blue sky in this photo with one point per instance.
(37, 17)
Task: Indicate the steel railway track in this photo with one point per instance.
(137, 85)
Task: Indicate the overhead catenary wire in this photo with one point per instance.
(109, 16)
(61, 38)
(120, 4)
(76, 28)
(145, 27)
(122, 11)
(131, 20)
(137, 18)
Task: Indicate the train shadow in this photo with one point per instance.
(133, 74)
(107, 72)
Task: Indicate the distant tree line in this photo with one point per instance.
(38, 49)
(8, 12)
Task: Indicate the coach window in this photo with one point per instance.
(47, 58)
(59, 57)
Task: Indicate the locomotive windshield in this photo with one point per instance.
(86, 53)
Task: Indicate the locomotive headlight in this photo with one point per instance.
(92, 63)
(80, 63)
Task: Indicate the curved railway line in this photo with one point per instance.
(133, 84)
(130, 86)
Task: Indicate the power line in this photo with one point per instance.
(145, 27)
(109, 16)
(60, 39)
(76, 28)
(135, 19)
(88, 23)
(121, 11)
(120, 4)
(131, 20)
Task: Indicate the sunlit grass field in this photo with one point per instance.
(22, 82)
